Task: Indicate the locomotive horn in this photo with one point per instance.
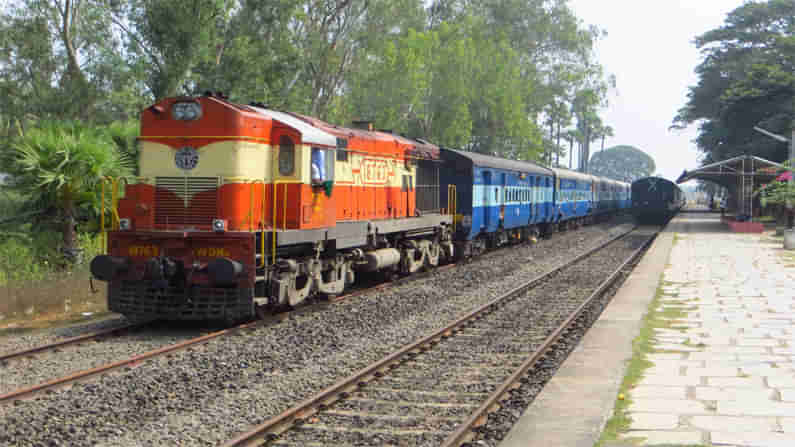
(224, 271)
(106, 268)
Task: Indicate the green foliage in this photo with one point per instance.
(58, 165)
(31, 256)
(124, 135)
(623, 163)
(747, 79)
(477, 74)
(779, 192)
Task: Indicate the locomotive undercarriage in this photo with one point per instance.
(328, 273)
(489, 241)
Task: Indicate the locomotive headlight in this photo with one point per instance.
(125, 224)
(186, 111)
(219, 225)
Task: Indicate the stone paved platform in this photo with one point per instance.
(725, 375)
(722, 375)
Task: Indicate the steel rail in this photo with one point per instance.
(24, 392)
(342, 388)
(70, 341)
(464, 433)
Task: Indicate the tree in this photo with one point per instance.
(747, 79)
(54, 58)
(623, 163)
(59, 165)
(166, 40)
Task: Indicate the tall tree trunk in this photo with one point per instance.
(557, 145)
(586, 150)
(571, 151)
(551, 136)
(70, 249)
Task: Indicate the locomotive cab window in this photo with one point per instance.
(286, 155)
(322, 165)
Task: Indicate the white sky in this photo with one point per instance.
(649, 48)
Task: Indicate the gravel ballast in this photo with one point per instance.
(462, 365)
(47, 365)
(208, 394)
(16, 341)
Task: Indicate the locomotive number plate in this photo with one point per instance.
(143, 250)
(214, 252)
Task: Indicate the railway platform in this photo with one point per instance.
(719, 339)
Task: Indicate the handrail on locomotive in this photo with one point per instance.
(114, 211)
(115, 182)
(452, 204)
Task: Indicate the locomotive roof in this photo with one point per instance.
(653, 179)
(419, 148)
(309, 134)
(656, 181)
(500, 163)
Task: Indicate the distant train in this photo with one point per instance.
(656, 200)
(239, 208)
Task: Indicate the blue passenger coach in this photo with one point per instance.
(574, 197)
(498, 200)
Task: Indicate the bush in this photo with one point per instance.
(32, 257)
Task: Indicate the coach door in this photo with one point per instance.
(503, 197)
(490, 197)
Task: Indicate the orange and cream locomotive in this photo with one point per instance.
(240, 208)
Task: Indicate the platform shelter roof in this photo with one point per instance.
(740, 175)
(726, 172)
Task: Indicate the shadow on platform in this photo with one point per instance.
(698, 222)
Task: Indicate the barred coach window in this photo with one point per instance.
(286, 155)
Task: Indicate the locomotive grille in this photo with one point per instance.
(186, 201)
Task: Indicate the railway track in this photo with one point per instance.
(71, 341)
(437, 389)
(87, 374)
(27, 392)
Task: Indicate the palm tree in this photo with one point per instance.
(59, 165)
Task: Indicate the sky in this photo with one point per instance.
(650, 50)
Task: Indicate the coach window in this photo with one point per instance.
(286, 155)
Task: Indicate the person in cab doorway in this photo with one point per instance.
(318, 166)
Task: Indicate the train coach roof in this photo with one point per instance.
(487, 161)
(309, 134)
(574, 175)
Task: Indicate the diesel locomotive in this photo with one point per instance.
(240, 209)
(656, 200)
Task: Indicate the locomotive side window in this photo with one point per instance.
(322, 165)
(286, 155)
